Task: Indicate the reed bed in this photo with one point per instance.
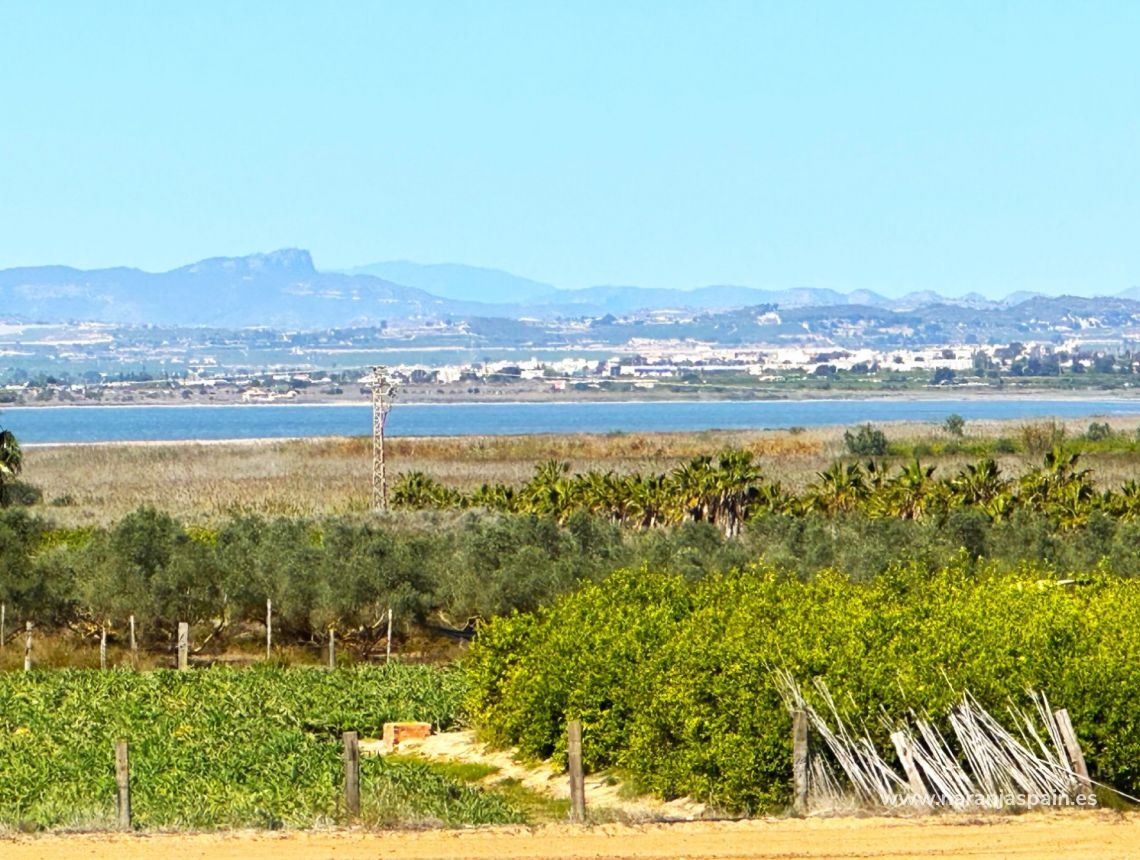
(204, 482)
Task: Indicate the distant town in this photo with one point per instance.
(192, 335)
(95, 363)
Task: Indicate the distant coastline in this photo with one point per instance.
(957, 393)
(155, 422)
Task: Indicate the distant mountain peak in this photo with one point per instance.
(295, 261)
(459, 282)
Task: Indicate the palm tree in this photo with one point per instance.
(417, 490)
(1071, 506)
(601, 493)
(493, 497)
(550, 492)
(648, 501)
(1125, 502)
(11, 461)
(838, 488)
(1000, 508)
(906, 493)
(693, 488)
(734, 481)
(1040, 486)
(772, 498)
(978, 484)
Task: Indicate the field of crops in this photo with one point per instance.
(220, 747)
(674, 681)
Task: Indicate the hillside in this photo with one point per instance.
(284, 290)
(281, 289)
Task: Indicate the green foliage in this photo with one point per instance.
(11, 456)
(866, 441)
(954, 424)
(634, 609)
(529, 544)
(1004, 445)
(674, 685)
(417, 490)
(405, 791)
(215, 748)
(1098, 431)
(13, 492)
(19, 493)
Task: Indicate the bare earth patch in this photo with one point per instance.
(602, 792)
(1046, 835)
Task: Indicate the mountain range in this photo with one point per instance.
(283, 289)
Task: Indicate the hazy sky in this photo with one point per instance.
(892, 146)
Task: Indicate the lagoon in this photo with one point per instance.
(73, 424)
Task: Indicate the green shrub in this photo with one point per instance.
(954, 424)
(1004, 445)
(19, 493)
(866, 441)
(1098, 431)
(674, 684)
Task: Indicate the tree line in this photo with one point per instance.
(729, 489)
(446, 569)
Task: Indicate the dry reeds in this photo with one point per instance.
(981, 765)
(206, 481)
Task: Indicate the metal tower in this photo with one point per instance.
(383, 391)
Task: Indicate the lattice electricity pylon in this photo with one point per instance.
(383, 392)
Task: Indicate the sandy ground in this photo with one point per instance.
(602, 792)
(1046, 835)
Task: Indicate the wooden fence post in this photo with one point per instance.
(800, 761)
(388, 655)
(134, 645)
(1073, 750)
(103, 648)
(906, 759)
(332, 648)
(28, 647)
(123, 782)
(268, 629)
(351, 774)
(183, 646)
(577, 777)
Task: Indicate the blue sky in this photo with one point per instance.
(890, 146)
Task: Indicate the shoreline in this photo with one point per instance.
(977, 395)
(989, 427)
(551, 419)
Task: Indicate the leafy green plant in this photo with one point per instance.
(220, 747)
(1098, 431)
(673, 682)
(867, 441)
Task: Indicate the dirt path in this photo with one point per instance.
(1047, 835)
(601, 792)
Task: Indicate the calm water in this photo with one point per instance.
(118, 423)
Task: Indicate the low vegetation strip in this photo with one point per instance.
(517, 548)
(729, 489)
(222, 747)
(674, 681)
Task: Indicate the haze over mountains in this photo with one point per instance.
(283, 289)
